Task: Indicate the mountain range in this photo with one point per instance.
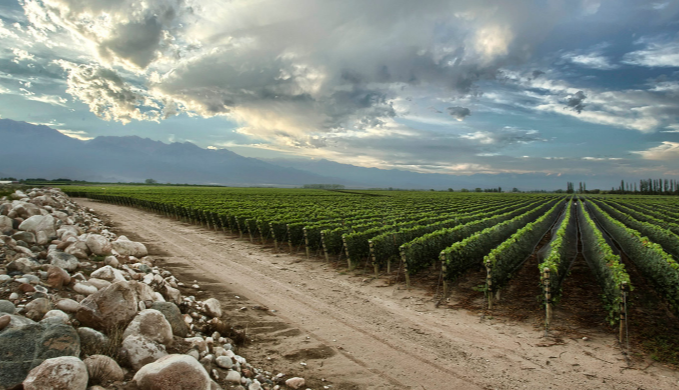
(38, 151)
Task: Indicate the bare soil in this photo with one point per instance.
(359, 332)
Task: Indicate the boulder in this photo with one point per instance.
(66, 231)
(63, 260)
(7, 307)
(25, 347)
(26, 237)
(173, 316)
(37, 308)
(26, 210)
(173, 372)
(57, 316)
(151, 324)
(60, 373)
(103, 369)
(113, 306)
(98, 245)
(91, 339)
(213, 307)
(17, 321)
(57, 277)
(78, 249)
(38, 224)
(295, 383)
(140, 351)
(108, 273)
(84, 288)
(4, 321)
(125, 247)
(68, 305)
(6, 225)
(24, 265)
(98, 283)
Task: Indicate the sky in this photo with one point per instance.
(578, 87)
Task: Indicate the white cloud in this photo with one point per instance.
(667, 151)
(656, 54)
(22, 55)
(594, 60)
(81, 135)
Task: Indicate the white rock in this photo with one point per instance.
(68, 305)
(151, 324)
(213, 307)
(295, 383)
(56, 315)
(173, 372)
(99, 283)
(40, 223)
(224, 362)
(141, 351)
(84, 288)
(65, 372)
(233, 377)
(125, 247)
(108, 273)
(98, 244)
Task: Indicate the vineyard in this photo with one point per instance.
(523, 252)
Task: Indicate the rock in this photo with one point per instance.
(233, 377)
(98, 245)
(23, 265)
(66, 231)
(24, 348)
(224, 362)
(26, 237)
(125, 247)
(63, 260)
(56, 316)
(151, 324)
(112, 261)
(26, 288)
(113, 306)
(17, 321)
(78, 249)
(6, 225)
(60, 373)
(84, 288)
(103, 369)
(7, 307)
(38, 224)
(57, 277)
(37, 308)
(213, 307)
(108, 273)
(68, 305)
(91, 339)
(171, 294)
(4, 321)
(173, 372)
(26, 210)
(141, 351)
(32, 279)
(295, 383)
(173, 316)
(255, 385)
(99, 283)
(5, 278)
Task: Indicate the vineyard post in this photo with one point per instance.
(346, 248)
(287, 226)
(374, 258)
(325, 248)
(443, 273)
(623, 312)
(489, 285)
(273, 235)
(240, 231)
(306, 243)
(405, 269)
(546, 280)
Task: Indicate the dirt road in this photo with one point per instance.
(358, 333)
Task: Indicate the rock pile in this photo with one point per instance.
(81, 306)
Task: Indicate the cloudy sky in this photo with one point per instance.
(584, 87)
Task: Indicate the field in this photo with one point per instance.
(562, 261)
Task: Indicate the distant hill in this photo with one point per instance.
(40, 151)
(31, 151)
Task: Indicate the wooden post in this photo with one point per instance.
(325, 248)
(489, 285)
(346, 249)
(405, 269)
(623, 318)
(306, 244)
(443, 274)
(546, 282)
(374, 258)
(273, 235)
(289, 238)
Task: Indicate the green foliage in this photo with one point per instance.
(556, 260)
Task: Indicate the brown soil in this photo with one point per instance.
(358, 332)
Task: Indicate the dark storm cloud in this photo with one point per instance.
(459, 113)
(577, 101)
